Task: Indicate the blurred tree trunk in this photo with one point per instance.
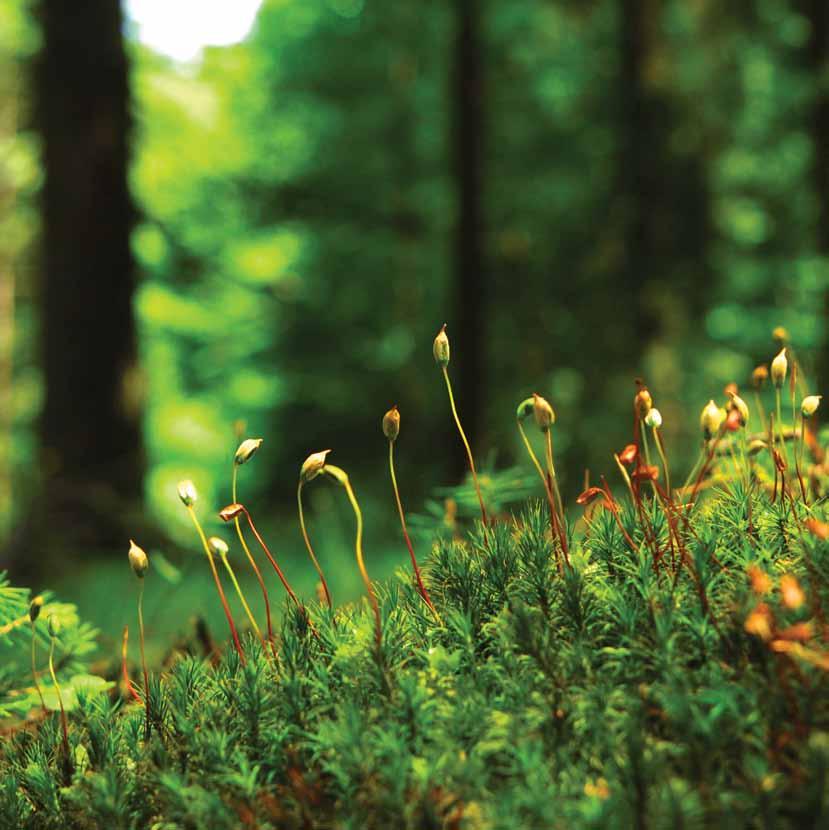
(817, 57)
(90, 436)
(641, 178)
(468, 334)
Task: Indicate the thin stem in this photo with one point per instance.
(693, 473)
(241, 596)
(466, 447)
(143, 658)
(625, 476)
(777, 398)
(358, 546)
(124, 670)
(554, 529)
(611, 504)
(744, 456)
(308, 545)
(661, 450)
(551, 472)
(253, 564)
(551, 469)
(794, 406)
(712, 449)
(532, 455)
(34, 667)
(798, 458)
(60, 700)
(420, 586)
(237, 645)
(646, 446)
(275, 565)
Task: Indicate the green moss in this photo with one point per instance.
(623, 694)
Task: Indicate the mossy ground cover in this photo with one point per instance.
(657, 660)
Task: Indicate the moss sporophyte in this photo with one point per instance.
(140, 563)
(440, 351)
(515, 637)
(188, 495)
(244, 452)
(310, 469)
(391, 429)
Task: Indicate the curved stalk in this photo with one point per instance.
(420, 586)
(143, 658)
(253, 564)
(661, 450)
(533, 457)
(777, 398)
(237, 645)
(308, 545)
(358, 546)
(551, 471)
(466, 447)
(692, 475)
(34, 667)
(124, 670)
(241, 596)
(274, 564)
(798, 457)
(554, 526)
(63, 723)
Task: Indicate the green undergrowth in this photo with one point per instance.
(684, 689)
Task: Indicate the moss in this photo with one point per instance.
(626, 693)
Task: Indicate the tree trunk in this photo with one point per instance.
(640, 175)
(89, 429)
(468, 334)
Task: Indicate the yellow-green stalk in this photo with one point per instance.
(642, 407)
(339, 475)
(234, 510)
(34, 612)
(391, 429)
(545, 417)
(808, 407)
(219, 548)
(779, 367)
(311, 468)
(140, 563)
(125, 674)
(711, 419)
(738, 405)
(525, 409)
(53, 624)
(440, 350)
(188, 495)
(654, 420)
(245, 451)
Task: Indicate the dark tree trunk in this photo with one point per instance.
(89, 429)
(468, 335)
(640, 175)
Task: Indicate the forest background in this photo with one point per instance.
(271, 233)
